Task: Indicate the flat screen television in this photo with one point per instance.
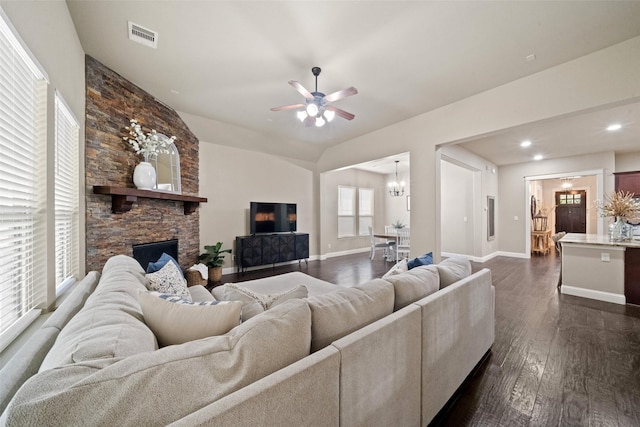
(272, 217)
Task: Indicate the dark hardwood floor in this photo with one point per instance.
(557, 360)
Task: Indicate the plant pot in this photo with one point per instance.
(215, 274)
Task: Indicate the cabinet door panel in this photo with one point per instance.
(302, 246)
(270, 252)
(250, 252)
(287, 247)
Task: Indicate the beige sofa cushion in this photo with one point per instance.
(453, 269)
(25, 363)
(341, 312)
(72, 304)
(414, 284)
(158, 387)
(200, 293)
(176, 321)
(110, 325)
(254, 303)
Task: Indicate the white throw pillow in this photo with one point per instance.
(254, 303)
(174, 320)
(168, 280)
(400, 267)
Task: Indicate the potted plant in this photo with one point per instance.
(398, 225)
(213, 257)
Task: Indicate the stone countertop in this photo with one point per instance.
(597, 239)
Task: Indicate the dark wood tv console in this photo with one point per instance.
(264, 249)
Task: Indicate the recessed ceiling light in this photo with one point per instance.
(525, 143)
(537, 157)
(614, 127)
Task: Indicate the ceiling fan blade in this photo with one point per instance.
(301, 89)
(341, 94)
(341, 113)
(287, 107)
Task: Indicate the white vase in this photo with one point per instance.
(144, 176)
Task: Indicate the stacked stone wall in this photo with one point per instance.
(111, 101)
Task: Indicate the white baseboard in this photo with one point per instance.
(348, 252)
(513, 254)
(591, 294)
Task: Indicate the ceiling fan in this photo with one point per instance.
(317, 108)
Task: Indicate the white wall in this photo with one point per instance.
(48, 31)
(628, 162)
(579, 85)
(231, 178)
(484, 182)
(457, 207)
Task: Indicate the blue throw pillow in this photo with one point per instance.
(425, 259)
(157, 266)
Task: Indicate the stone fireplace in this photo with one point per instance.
(111, 101)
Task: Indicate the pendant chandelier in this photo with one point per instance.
(396, 189)
(567, 183)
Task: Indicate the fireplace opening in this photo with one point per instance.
(145, 253)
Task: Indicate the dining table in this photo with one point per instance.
(389, 236)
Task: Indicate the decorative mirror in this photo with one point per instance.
(168, 170)
(491, 212)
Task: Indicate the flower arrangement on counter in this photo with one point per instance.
(148, 144)
(621, 205)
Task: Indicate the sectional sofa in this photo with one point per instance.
(388, 352)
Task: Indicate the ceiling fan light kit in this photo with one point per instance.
(317, 109)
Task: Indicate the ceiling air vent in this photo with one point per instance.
(142, 35)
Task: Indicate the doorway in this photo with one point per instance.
(571, 211)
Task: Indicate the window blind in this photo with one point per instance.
(66, 193)
(22, 183)
(346, 211)
(365, 210)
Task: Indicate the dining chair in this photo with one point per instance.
(404, 242)
(387, 246)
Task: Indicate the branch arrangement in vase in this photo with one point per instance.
(148, 144)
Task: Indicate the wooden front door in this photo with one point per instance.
(571, 211)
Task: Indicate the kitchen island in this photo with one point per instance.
(595, 267)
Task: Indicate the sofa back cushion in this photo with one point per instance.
(72, 304)
(159, 387)
(414, 284)
(110, 325)
(453, 269)
(345, 310)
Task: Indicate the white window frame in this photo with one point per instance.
(66, 201)
(346, 211)
(365, 210)
(23, 190)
